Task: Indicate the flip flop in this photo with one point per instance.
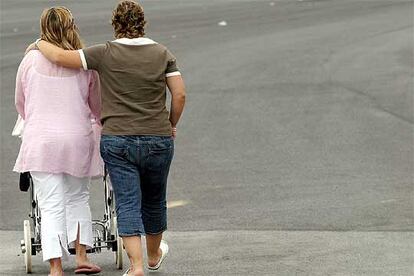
(126, 272)
(164, 250)
(85, 269)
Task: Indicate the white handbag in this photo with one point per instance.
(18, 127)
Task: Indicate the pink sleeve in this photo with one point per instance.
(19, 99)
(94, 102)
(94, 99)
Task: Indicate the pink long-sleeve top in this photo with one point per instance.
(59, 106)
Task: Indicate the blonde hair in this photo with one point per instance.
(58, 27)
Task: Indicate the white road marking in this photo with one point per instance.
(176, 203)
(388, 200)
(222, 23)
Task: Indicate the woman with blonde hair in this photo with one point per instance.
(59, 146)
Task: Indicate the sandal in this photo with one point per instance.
(164, 250)
(126, 272)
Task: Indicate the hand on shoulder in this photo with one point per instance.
(30, 48)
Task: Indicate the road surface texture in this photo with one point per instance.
(295, 152)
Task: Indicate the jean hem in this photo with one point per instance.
(130, 235)
(156, 233)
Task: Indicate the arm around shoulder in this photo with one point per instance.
(66, 58)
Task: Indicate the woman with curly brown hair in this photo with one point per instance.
(138, 133)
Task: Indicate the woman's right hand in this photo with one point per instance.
(174, 132)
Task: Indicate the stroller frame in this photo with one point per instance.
(105, 233)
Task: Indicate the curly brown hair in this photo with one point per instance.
(128, 20)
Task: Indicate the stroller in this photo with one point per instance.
(105, 234)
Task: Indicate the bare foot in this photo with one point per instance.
(56, 273)
(136, 272)
(84, 264)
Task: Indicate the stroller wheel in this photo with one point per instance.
(119, 245)
(27, 249)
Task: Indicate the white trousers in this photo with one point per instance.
(64, 207)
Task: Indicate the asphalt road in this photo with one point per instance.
(295, 152)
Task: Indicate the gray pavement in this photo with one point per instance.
(295, 153)
(260, 253)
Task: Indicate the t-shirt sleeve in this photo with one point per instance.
(92, 56)
(172, 68)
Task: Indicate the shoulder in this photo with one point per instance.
(29, 59)
(92, 56)
(31, 56)
(95, 49)
(166, 51)
(99, 46)
(161, 48)
(162, 51)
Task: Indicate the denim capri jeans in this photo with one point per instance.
(138, 167)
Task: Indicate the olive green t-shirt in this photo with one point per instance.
(133, 76)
